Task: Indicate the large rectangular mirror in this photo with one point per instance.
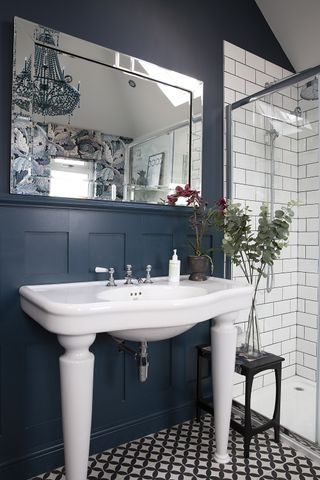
(89, 122)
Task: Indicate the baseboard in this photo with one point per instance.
(28, 466)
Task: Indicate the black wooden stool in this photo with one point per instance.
(249, 368)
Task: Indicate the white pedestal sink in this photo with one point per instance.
(76, 312)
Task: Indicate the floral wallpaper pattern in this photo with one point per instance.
(35, 145)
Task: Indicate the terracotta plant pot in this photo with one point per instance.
(198, 266)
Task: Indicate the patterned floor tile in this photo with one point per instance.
(185, 452)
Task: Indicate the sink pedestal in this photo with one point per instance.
(76, 377)
(223, 351)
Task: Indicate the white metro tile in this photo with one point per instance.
(282, 307)
(289, 319)
(300, 331)
(312, 197)
(245, 192)
(239, 115)
(300, 358)
(229, 95)
(255, 62)
(313, 224)
(307, 157)
(289, 371)
(293, 331)
(239, 145)
(306, 372)
(266, 338)
(310, 361)
(281, 334)
(274, 70)
(229, 65)
(232, 51)
(256, 149)
(275, 348)
(311, 334)
(244, 131)
(309, 293)
(308, 211)
(313, 143)
(262, 78)
(272, 323)
(306, 347)
(307, 319)
(289, 346)
(289, 292)
(255, 178)
(235, 83)
(265, 310)
(238, 389)
(312, 279)
(252, 88)
(239, 175)
(311, 307)
(307, 184)
(313, 170)
(243, 71)
(306, 265)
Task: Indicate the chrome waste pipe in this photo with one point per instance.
(143, 362)
(141, 356)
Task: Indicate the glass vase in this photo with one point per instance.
(252, 346)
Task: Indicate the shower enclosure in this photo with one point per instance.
(273, 157)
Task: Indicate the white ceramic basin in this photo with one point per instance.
(147, 293)
(131, 312)
(76, 312)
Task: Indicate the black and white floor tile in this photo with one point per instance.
(185, 452)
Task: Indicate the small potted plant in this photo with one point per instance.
(201, 219)
(253, 251)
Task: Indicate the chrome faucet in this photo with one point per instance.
(111, 282)
(128, 278)
(148, 276)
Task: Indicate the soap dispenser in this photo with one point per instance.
(174, 268)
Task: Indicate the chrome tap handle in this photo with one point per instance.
(148, 276)
(129, 270)
(128, 277)
(111, 282)
(101, 270)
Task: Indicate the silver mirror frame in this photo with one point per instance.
(104, 56)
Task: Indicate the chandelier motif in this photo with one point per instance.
(50, 92)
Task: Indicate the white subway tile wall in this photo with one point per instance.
(288, 315)
(308, 239)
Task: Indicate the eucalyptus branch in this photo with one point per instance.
(252, 252)
(248, 277)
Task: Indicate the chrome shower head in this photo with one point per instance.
(310, 90)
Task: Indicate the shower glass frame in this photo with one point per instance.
(272, 88)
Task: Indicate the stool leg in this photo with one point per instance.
(247, 416)
(277, 406)
(199, 376)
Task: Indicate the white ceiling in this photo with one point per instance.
(296, 25)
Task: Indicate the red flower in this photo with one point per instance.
(193, 196)
(172, 199)
(222, 203)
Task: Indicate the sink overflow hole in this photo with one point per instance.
(299, 389)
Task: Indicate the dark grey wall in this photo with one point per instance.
(45, 241)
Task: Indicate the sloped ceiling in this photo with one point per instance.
(296, 25)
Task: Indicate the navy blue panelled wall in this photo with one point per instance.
(46, 240)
